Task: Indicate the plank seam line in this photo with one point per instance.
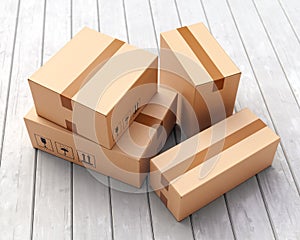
(267, 209)
(71, 200)
(259, 87)
(33, 193)
(147, 194)
(177, 10)
(149, 207)
(229, 216)
(110, 208)
(276, 54)
(192, 226)
(153, 24)
(71, 165)
(108, 178)
(125, 19)
(9, 80)
(98, 14)
(206, 18)
(264, 201)
(36, 151)
(288, 19)
(225, 198)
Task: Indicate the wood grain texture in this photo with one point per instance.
(44, 197)
(277, 184)
(91, 198)
(291, 10)
(53, 198)
(283, 41)
(18, 157)
(9, 13)
(130, 210)
(208, 220)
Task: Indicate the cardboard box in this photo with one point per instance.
(194, 64)
(160, 111)
(127, 161)
(205, 166)
(96, 81)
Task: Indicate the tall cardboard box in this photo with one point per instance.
(205, 166)
(127, 161)
(194, 64)
(95, 86)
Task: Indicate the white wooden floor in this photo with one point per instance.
(43, 197)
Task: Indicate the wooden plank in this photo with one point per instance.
(277, 184)
(130, 210)
(140, 27)
(164, 224)
(91, 197)
(214, 216)
(255, 220)
(291, 10)
(283, 40)
(273, 83)
(91, 205)
(8, 16)
(53, 194)
(18, 157)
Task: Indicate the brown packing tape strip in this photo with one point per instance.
(203, 57)
(148, 120)
(74, 87)
(168, 175)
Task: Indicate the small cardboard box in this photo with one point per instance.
(127, 161)
(194, 64)
(97, 81)
(160, 111)
(205, 166)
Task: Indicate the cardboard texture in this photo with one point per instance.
(205, 166)
(127, 161)
(95, 81)
(193, 64)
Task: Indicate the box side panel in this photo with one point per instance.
(228, 177)
(55, 140)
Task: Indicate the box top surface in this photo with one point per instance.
(94, 64)
(200, 54)
(246, 138)
(192, 179)
(160, 104)
(204, 139)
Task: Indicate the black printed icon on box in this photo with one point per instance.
(87, 158)
(64, 150)
(43, 142)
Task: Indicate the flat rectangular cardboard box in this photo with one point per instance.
(195, 65)
(98, 81)
(205, 166)
(127, 161)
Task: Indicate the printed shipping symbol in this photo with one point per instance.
(64, 150)
(87, 158)
(44, 142)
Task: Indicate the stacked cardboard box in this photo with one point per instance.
(97, 105)
(95, 80)
(193, 64)
(87, 97)
(129, 159)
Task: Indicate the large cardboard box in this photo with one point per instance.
(96, 81)
(195, 65)
(127, 161)
(202, 168)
